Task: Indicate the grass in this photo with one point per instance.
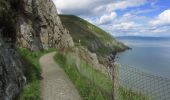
(92, 84)
(84, 85)
(32, 71)
(130, 95)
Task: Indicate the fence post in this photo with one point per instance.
(113, 82)
(110, 66)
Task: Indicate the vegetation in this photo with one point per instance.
(85, 85)
(32, 72)
(130, 95)
(92, 84)
(91, 36)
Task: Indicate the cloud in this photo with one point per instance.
(115, 16)
(123, 4)
(79, 7)
(126, 26)
(162, 19)
(132, 24)
(90, 7)
(107, 18)
(159, 30)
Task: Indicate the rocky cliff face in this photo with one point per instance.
(11, 76)
(40, 27)
(33, 24)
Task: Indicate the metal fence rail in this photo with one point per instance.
(141, 82)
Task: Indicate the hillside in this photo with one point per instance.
(146, 38)
(91, 36)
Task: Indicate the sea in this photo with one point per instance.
(151, 54)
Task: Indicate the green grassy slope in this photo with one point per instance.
(91, 36)
(92, 84)
(32, 71)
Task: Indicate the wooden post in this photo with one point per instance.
(113, 82)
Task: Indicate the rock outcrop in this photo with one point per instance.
(33, 24)
(40, 27)
(12, 78)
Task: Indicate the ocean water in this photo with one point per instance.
(149, 54)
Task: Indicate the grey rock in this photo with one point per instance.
(40, 26)
(11, 75)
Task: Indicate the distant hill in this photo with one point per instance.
(91, 36)
(143, 38)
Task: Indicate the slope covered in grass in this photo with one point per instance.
(91, 36)
(91, 84)
(32, 71)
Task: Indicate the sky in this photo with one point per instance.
(122, 17)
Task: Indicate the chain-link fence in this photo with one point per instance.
(142, 84)
(123, 83)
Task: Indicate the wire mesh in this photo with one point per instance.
(142, 83)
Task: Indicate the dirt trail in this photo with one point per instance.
(55, 84)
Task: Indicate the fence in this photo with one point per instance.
(144, 84)
(128, 83)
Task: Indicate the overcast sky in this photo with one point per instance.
(122, 17)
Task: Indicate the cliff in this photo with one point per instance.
(12, 78)
(32, 24)
(40, 27)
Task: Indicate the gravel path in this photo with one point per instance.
(55, 84)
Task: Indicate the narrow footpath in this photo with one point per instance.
(55, 84)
